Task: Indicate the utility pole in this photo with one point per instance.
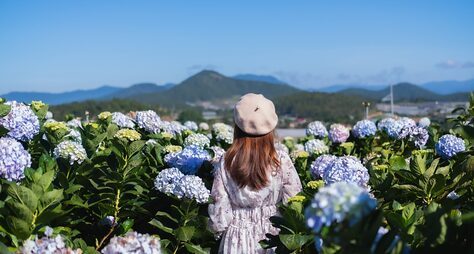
(391, 99)
(366, 104)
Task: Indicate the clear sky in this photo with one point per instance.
(64, 45)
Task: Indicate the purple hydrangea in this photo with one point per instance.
(21, 122)
(419, 136)
(148, 120)
(318, 167)
(401, 128)
(449, 145)
(133, 243)
(364, 128)
(342, 169)
(317, 129)
(173, 127)
(338, 133)
(13, 159)
(189, 160)
(336, 203)
(172, 182)
(47, 244)
(123, 121)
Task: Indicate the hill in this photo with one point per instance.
(450, 86)
(260, 78)
(59, 98)
(330, 107)
(141, 88)
(210, 85)
(338, 88)
(404, 92)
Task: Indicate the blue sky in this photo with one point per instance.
(64, 45)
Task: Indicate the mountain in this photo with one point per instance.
(137, 89)
(405, 92)
(260, 78)
(209, 86)
(338, 88)
(450, 86)
(59, 98)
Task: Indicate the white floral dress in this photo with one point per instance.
(241, 215)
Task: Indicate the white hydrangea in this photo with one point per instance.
(197, 139)
(223, 132)
(133, 243)
(70, 150)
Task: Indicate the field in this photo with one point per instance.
(123, 183)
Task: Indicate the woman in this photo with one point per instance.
(251, 179)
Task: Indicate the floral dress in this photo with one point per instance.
(241, 215)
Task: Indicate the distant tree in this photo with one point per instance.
(190, 114)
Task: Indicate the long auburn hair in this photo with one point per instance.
(249, 159)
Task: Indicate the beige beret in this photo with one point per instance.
(254, 114)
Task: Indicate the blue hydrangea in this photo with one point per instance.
(13, 159)
(320, 165)
(173, 127)
(197, 139)
(191, 125)
(336, 203)
(148, 120)
(172, 182)
(21, 122)
(338, 133)
(133, 243)
(449, 145)
(385, 123)
(317, 129)
(364, 128)
(123, 121)
(316, 146)
(189, 160)
(342, 169)
(419, 136)
(401, 128)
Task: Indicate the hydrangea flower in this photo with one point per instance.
(424, 122)
(13, 159)
(298, 154)
(223, 132)
(189, 160)
(336, 203)
(320, 165)
(191, 125)
(108, 221)
(298, 147)
(197, 139)
(338, 133)
(384, 124)
(203, 126)
(37, 105)
(74, 123)
(122, 120)
(53, 125)
(342, 169)
(173, 127)
(192, 187)
(70, 150)
(364, 128)
(172, 182)
(148, 120)
(449, 145)
(315, 184)
(297, 198)
(316, 129)
(419, 136)
(49, 115)
(47, 244)
(74, 135)
(453, 195)
(104, 115)
(172, 149)
(133, 243)
(401, 128)
(316, 146)
(128, 134)
(21, 122)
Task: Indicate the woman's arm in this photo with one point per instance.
(220, 211)
(291, 184)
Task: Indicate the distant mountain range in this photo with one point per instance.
(213, 86)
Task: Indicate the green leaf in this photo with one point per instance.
(46, 179)
(408, 211)
(4, 110)
(185, 233)
(20, 211)
(398, 163)
(294, 241)
(23, 195)
(51, 197)
(156, 223)
(196, 249)
(19, 227)
(166, 215)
